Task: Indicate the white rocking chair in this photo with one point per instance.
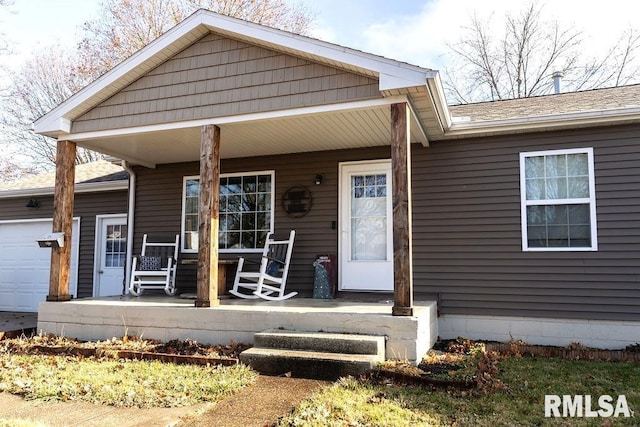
(155, 268)
(270, 280)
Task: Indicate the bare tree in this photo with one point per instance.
(619, 66)
(125, 26)
(4, 43)
(272, 13)
(521, 62)
(122, 27)
(11, 170)
(44, 81)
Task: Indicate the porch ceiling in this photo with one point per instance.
(313, 132)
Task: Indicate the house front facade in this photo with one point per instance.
(519, 217)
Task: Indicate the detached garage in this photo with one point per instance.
(26, 209)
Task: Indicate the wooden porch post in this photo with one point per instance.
(62, 220)
(402, 237)
(207, 295)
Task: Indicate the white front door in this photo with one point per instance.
(366, 232)
(111, 255)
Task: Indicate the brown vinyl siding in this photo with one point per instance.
(218, 76)
(466, 224)
(86, 206)
(159, 206)
(467, 231)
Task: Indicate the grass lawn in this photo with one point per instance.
(519, 402)
(119, 383)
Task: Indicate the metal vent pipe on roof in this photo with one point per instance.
(557, 76)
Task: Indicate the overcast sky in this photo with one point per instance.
(414, 31)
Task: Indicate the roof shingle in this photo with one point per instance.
(562, 103)
(99, 171)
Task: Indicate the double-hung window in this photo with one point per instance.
(246, 211)
(558, 204)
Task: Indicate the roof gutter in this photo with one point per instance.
(130, 219)
(439, 103)
(89, 187)
(550, 121)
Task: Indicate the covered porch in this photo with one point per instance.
(166, 318)
(217, 90)
(211, 143)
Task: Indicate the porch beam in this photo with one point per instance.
(207, 285)
(401, 199)
(62, 221)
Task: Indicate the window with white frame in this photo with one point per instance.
(246, 207)
(557, 190)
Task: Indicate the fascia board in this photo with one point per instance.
(548, 121)
(406, 80)
(91, 187)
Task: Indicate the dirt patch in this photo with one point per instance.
(571, 353)
(258, 405)
(175, 351)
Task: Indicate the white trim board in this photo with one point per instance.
(541, 331)
(591, 200)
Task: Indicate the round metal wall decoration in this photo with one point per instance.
(297, 201)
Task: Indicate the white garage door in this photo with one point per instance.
(24, 266)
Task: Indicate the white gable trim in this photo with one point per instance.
(392, 74)
(243, 118)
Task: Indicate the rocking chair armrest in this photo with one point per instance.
(249, 260)
(279, 261)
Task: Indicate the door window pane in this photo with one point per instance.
(115, 249)
(369, 217)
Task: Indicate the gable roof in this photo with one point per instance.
(392, 75)
(94, 176)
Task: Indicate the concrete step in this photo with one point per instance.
(308, 364)
(322, 342)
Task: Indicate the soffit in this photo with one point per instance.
(309, 133)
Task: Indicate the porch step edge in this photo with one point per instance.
(308, 364)
(323, 342)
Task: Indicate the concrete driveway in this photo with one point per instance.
(13, 324)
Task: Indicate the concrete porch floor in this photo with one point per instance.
(166, 318)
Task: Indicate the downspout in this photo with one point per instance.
(130, 216)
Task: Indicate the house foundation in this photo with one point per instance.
(165, 318)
